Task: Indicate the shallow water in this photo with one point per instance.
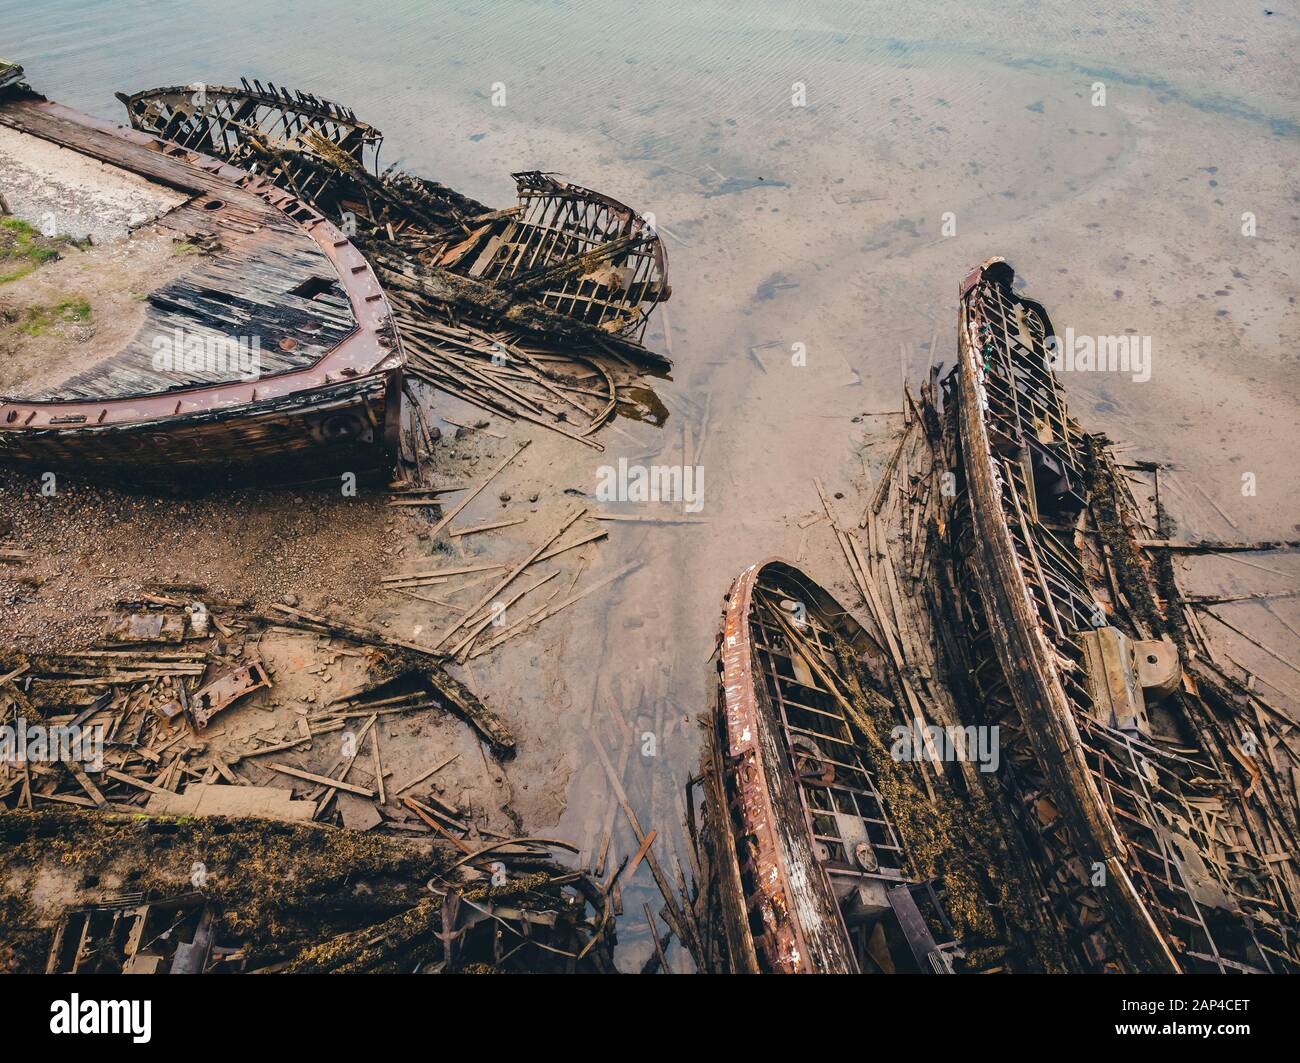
(820, 225)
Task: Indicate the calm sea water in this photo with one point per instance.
(643, 74)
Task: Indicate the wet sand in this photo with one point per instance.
(821, 225)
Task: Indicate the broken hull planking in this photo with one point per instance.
(811, 862)
(305, 436)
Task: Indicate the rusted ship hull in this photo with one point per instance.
(328, 397)
(812, 866)
(1145, 836)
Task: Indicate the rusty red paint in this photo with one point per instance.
(782, 942)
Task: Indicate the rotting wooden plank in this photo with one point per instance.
(490, 526)
(425, 774)
(440, 573)
(352, 632)
(508, 578)
(641, 852)
(131, 780)
(532, 620)
(321, 780)
(473, 493)
(498, 610)
(378, 765)
(86, 784)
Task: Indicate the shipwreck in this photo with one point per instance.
(812, 858)
(309, 293)
(1159, 839)
(271, 267)
(1141, 815)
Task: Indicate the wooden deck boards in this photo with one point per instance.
(262, 283)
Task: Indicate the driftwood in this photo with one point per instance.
(458, 699)
(293, 617)
(1214, 546)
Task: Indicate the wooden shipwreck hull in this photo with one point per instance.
(326, 398)
(811, 862)
(506, 308)
(303, 436)
(1160, 846)
(579, 252)
(317, 149)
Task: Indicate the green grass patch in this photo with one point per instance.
(23, 249)
(40, 319)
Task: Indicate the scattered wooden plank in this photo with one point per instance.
(86, 784)
(378, 765)
(1215, 546)
(352, 632)
(429, 821)
(451, 514)
(466, 704)
(279, 747)
(131, 780)
(648, 519)
(675, 918)
(639, 855)
(321, 780)
(491, 526)
(424, 775)
(498, 609)
(654, 935)
(440, 573)
(533, 619)
(202, 799)
(506, 580)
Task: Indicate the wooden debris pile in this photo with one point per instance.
(223, 846)
(151, 707)
(479, 625)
